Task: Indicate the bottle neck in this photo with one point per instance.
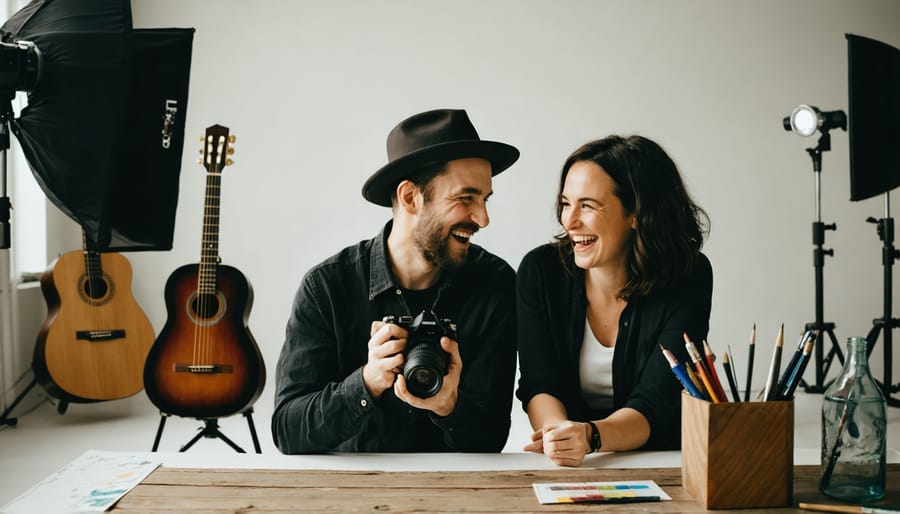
(856, 353)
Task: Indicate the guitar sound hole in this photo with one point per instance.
(205, 305)
(95, 288)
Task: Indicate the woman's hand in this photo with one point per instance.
(565, 443)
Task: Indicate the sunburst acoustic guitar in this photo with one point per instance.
(205, 362)
(94, 341)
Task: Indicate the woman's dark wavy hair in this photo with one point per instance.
(670, 226)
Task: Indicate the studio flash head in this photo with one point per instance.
(806, 120)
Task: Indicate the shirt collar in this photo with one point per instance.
(381, 278)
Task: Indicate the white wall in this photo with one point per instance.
(312, 88)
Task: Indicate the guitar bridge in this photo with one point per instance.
(205, 369)
(99, 335)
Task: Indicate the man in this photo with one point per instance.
(344, 378)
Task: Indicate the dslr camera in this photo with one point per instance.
(426, 362)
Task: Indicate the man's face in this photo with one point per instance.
(456, 209)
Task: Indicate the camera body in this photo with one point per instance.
(425, 362)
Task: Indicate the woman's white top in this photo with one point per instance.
(595, 369)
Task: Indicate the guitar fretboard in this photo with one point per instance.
(209, 251)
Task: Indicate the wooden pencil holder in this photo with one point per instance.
(738, 455)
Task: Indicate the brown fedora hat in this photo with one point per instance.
(432, 137)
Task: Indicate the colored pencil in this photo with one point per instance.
(681, 374)
(774, 368)
(789, 369)
(797, 374)
(853, 509)
(689, 369)
(698, 365)
(729, 373)
(750, 350)
(713, 375)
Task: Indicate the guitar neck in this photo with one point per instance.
(209, 251)
(92, 264)
(215, 149)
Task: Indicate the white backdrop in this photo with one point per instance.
(311, 89)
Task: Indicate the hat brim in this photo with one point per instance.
(380, 186)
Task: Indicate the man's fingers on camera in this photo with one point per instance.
(449, 345)
(452, 347)
(386, 332)
(400, 390)
(392, 348)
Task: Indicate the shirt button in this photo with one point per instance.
(363, 402)
(398, 292)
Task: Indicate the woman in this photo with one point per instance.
(625, 276)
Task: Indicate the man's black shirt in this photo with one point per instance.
(321, 403)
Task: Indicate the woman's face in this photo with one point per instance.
(594, 218)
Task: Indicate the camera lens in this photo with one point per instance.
(424, 371)
(424, 377)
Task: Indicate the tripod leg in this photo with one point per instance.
(249, 415)
(835, 351)
(229, 442)
(194, 440)
(159, 431)
(871, 338)
(4, 419)
(62, 407)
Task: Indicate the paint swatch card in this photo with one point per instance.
(600, 492)
(91, 483)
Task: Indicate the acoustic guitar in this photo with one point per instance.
(205, 362)
(94, 342)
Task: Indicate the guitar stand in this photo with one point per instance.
(4, 418)
(210, 429)
(12, 422)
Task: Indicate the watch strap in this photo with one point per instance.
(595, 437)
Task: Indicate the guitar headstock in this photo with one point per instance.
(216, 148)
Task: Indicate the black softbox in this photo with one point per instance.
(103, 131)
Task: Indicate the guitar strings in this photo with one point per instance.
(206, 298)
(89, 266)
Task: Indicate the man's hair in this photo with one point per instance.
(670, 227)
(422, 179)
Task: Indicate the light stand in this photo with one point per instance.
(823, 362)
(806, 120)
(23, 63)
(886, 323)
(84, 65)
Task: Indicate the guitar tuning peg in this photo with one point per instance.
(230, 151)
(232, 138)
(200, 160)
(202, 139)
(228, 162)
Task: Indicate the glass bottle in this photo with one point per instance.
(854, 427)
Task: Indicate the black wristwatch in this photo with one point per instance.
(595, 437)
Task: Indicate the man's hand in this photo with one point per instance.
(444, 401)
(565, 443)
(386, 346)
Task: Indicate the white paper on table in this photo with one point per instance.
(93, 482)
(574, 492)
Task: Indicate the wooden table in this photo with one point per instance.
(271, 490)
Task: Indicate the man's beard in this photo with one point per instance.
(434, 242)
